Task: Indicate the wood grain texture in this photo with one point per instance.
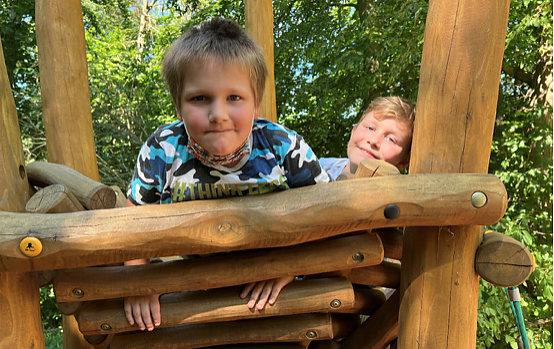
(224, 270)
(72, 338)
(54, 198)
(379, 330)
(386, 274)
(458, 91)
(503, 261)
(92, 194)
(21, 326)
(217, 305)
(64, 85)
(258, 17)
(366, 301)
(277, 219)
(274, 329)
(393, 240)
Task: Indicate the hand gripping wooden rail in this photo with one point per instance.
(282, 219)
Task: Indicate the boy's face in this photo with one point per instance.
(217, 106)
(385, 139)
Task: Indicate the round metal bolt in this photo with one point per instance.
(311, 334)
(335, 303)
(358, 257)
(78, 293)
(392, 211)
(478, 199)
(105, 327)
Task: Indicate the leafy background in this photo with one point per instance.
(331, 59)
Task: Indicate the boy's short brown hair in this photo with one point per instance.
(217, 40)
(392, 107)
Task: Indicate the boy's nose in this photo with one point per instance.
(374, 141)
(218, 112)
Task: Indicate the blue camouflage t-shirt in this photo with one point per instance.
(166, 172)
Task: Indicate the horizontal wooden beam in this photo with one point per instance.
(224, 270)
(279, 219)
(224, 304)
(386, 274)
(274, 329)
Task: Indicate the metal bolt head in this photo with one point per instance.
(478, 199)
(335, 303)
(78, 293)
(105, 327)
(358, 257)
(311, 334)
(392, 211)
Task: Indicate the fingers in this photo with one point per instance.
(278, 286)
(247, 290)
(144, 311)
(265, 291)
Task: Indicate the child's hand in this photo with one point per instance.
(143, 309)
(265, 291)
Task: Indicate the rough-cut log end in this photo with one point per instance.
(54, 198)
(103, 197)
(503, 261)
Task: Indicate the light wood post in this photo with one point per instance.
(20, 324)
(64, 85)
(259, 25)
(460, 73)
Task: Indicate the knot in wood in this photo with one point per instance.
(224, 227)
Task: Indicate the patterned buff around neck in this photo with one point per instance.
(208, 159)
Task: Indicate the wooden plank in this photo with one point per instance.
(92, 194)
(72, 338)
(366, 301)
(274, 329)
(386, 274)
(503, 261)
(258, 17)
(278, 219)
(460, 74)
(19, 292)
(225, 270)
(379, 330)
(307, 296)
(64, 85)
(392, 239)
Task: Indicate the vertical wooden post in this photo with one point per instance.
(259, 25)
(64, 85)
(20, 324)
(460, 73)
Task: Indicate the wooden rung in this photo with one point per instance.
(289, 328)
(217, 305)
(224, 270)
(366, 301)
(285, 218)
(392, 239)
(379, 330)
(503, 261)
(92, 194)
(387, 274)
(54, 198)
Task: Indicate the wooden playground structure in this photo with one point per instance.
(75, 232)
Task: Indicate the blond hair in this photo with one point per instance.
(217, 40)
(392, 107)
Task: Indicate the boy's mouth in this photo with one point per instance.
(368, 154)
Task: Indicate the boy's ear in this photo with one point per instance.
(179, 115)
(353, 129)
(256, 113)
(404, 163)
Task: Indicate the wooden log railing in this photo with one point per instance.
(282, 219)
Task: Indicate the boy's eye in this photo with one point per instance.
(234, 98)
(371, 128)
(392, 140)
(198, 98)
